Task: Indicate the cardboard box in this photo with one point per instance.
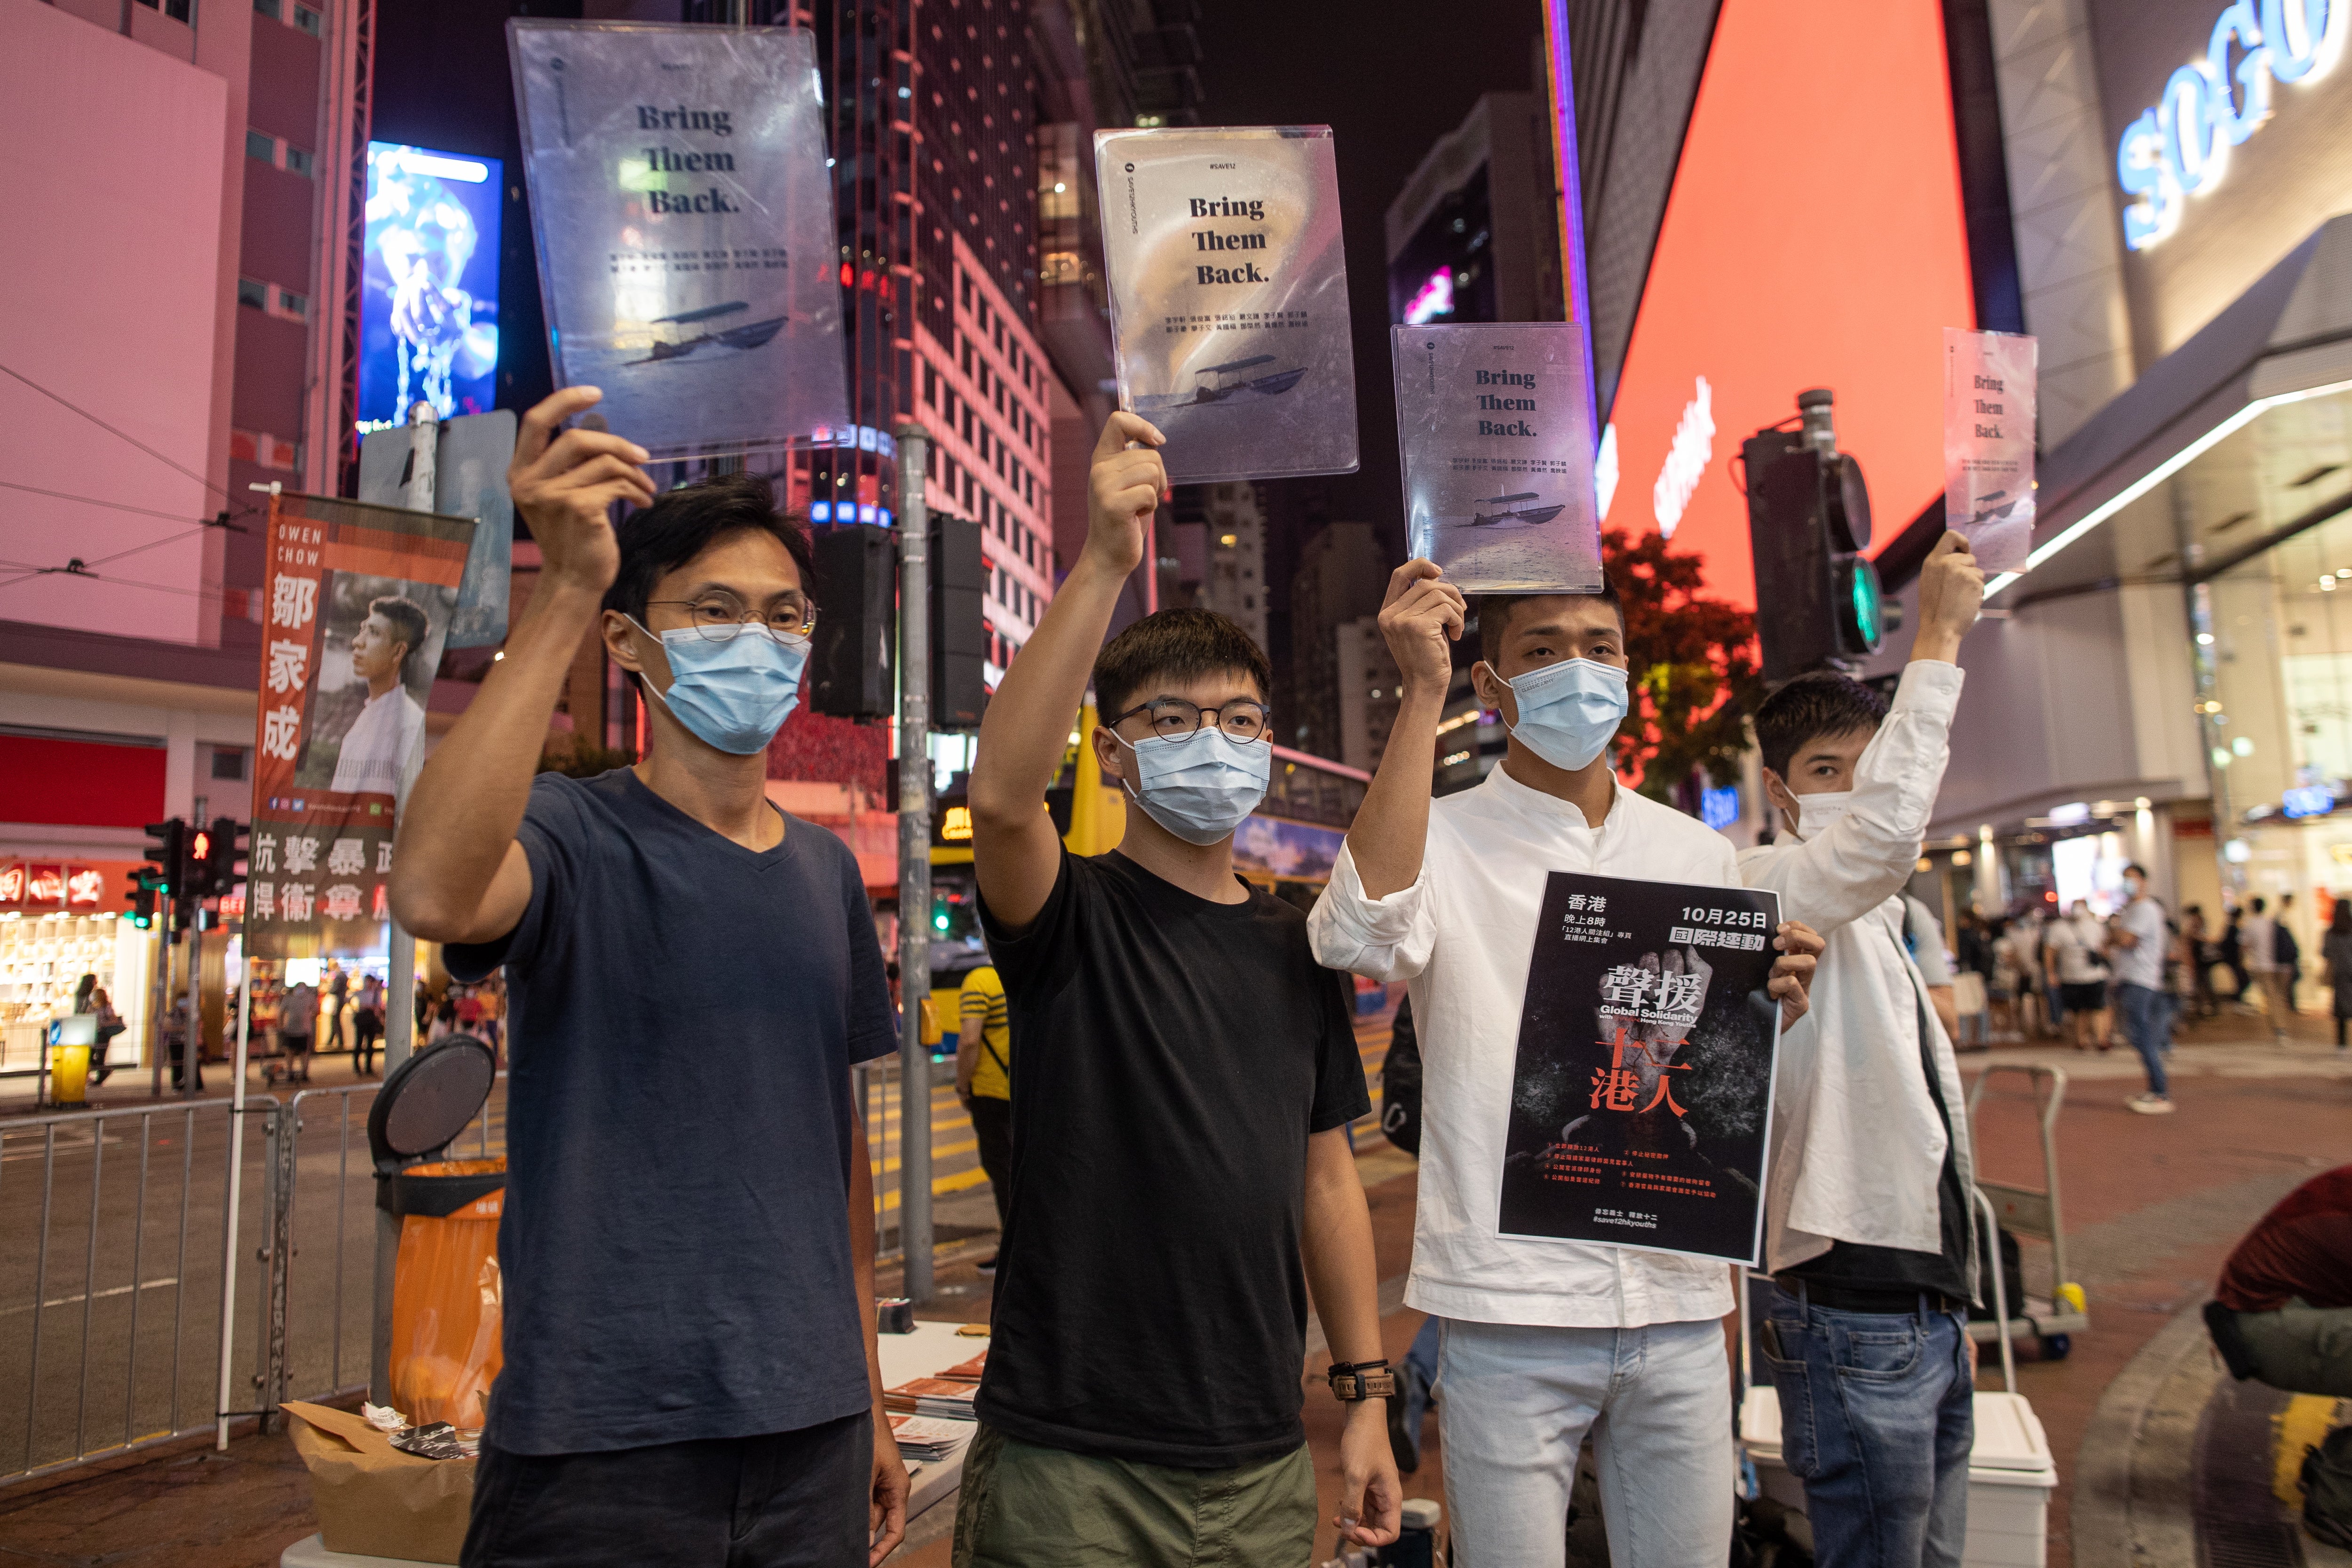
(373, 1500)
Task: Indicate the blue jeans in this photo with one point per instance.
(2148, 1019)
(1877, 1416)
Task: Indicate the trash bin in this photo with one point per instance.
(447, 1299)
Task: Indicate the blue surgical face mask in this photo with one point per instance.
(1568, 710)
(1199, 786)
(735, 693)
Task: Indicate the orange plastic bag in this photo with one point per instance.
(447, 1306)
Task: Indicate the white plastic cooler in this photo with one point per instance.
(2010, 1476)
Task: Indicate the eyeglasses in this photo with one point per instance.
(1172, 718)
(721, 617)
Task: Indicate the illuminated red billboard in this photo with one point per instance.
(1814, 238)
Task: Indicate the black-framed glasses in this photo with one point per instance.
(720, 616)
(1172, 718)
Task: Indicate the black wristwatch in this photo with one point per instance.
(1357, 1380)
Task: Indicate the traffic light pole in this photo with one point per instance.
(400, 991)
(914, 863)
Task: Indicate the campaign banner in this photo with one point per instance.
(1643, 1094)
(1989, 420)
(1229, 298)
(358, 604)
(1495, 435)
(682, 204)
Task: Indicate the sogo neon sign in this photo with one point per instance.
(2182, 146)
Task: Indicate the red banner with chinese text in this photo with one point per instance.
(356, 603)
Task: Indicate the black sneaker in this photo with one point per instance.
(988, 1264)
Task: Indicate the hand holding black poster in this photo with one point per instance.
(1644, 1089)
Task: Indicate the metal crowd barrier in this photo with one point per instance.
(113, 1231)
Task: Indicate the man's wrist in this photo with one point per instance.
(1935, 649)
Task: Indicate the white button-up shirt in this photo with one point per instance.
(1857, 1148)
(1462, 936)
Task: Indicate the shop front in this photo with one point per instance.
(2169, 682)
(55, 930)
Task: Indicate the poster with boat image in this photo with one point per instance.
(1496, 439)
(683, 211)
(1229, 298)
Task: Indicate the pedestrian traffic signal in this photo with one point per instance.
(139, 902)
(1818, 600)
(167, 847)
(212, 858)
(959, 567)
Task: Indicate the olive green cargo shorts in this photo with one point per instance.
(1028, 1507)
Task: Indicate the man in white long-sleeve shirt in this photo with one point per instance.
(1869, 1231)
(1541, 1340)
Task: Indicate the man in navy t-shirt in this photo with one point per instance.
(688, 1244)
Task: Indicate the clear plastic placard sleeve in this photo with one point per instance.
(1229, 298)
(1496, 444)
(1989, 418)
(683, 212)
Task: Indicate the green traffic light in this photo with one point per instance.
(940, 920)
(1866, 608)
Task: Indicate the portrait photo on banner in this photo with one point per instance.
(376, 655)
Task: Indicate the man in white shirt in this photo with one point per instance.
(1869, 1234)
(2258, 945)
(379, 741)
(1541, 1340)
(2136, 935)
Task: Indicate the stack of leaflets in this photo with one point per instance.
(967, 1371)
(940, 1396)
(924, 1439)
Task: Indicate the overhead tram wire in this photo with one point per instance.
(169, 463)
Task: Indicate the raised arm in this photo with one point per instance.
(1867, 854)
(1423, 613)
(458, 874)
(1015, 852)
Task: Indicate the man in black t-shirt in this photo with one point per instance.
(687, 1243)
(1181, 1169)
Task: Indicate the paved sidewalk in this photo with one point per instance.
(2152, 1205)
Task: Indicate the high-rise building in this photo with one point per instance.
(1343, 577)
(1370, 689)
(1217, 537)
(1474, 235)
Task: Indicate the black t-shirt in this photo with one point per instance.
(1173, 1057)
(1946, 1271)
(684, 1015)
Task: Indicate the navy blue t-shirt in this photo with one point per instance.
(684, 1015)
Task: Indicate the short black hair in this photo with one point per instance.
(688, 521)
(408, 624)
(2136, 868)
(1823, 702)
(1495, 612)
(2260, 906)
(1174, 644)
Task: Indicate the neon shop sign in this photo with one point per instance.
(2180, 147)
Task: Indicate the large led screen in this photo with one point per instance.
(429, 309)
(1814, 238)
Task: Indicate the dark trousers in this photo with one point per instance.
(334, 1040)
(367, 1028)
(991, 1127)
(785, 1500)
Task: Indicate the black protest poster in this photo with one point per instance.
(1643, 1087)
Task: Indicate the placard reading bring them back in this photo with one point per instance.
(1229, 298)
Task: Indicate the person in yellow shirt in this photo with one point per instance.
(984, 1079)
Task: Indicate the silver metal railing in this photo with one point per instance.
(112, 1225)
(110, 1230)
